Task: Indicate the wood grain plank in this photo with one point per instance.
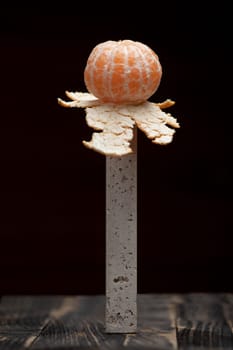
(22, 319)
(201, 322)
(191, 321)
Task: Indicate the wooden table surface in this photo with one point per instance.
(165, 321)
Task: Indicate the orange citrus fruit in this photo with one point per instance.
(122, 72)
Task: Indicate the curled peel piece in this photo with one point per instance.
(152, 121)
(79, 100)
(115, 123)
(115, 131)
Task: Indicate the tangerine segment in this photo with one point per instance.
(122, 72)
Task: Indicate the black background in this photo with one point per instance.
(52, 194)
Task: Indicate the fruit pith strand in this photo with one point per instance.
(122, 72)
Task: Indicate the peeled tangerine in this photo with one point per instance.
(122, 72)
(120, 77)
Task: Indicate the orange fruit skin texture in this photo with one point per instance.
(122, 72)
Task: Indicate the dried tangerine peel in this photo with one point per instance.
(116, 131)
(115, 123)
